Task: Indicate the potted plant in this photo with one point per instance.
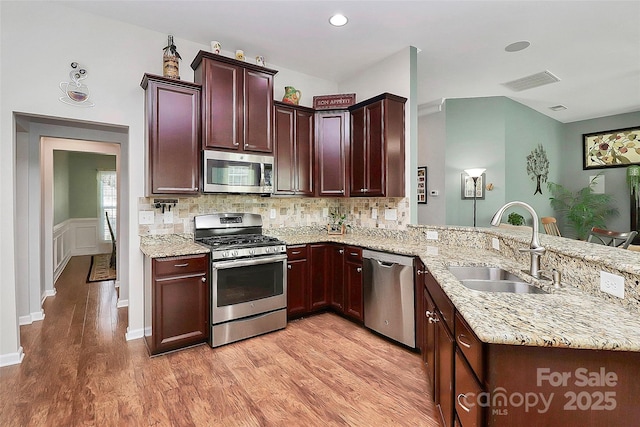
(338, 224)
(515, 219)
(583, 209)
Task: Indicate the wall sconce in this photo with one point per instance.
(475, 174)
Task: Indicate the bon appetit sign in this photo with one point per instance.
(330, 102)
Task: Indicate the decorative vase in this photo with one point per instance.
(291, 95)
(171, 60)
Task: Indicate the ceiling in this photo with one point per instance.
(593, 47)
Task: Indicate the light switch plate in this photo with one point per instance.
(432, 250)
(325, 212)
(168, 217)
(272, 214)
(612, 284)
(374, 213)
(391, 214)
(432, 235)
(146, 217)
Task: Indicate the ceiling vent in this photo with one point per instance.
(558, 107)
(534, 80)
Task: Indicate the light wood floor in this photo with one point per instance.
(319, 371)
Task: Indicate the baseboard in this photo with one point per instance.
(12, 358)
(30, 318)
(122, 303)
(134, 334)
(47, 293)
(61, 267)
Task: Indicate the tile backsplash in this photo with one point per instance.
(290, 211)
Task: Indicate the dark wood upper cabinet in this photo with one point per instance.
(293, 149)
(377, 147)
(173, 135)
(237, 103)
(332, 152)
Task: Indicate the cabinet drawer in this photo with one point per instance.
(177, 266)
(296, 252)
(353, 254)
(470, 345)
(467, 390)
(443, 304)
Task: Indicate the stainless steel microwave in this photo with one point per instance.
(238, 173)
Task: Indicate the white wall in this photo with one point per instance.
(116, 55)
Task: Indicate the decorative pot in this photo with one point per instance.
(291, 95)
(336, 229)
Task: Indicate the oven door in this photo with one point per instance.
(245, 287)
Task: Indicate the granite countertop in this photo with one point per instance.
(565, 317)
(169, 245)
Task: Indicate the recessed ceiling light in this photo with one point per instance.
(338, 20)
(517, 46)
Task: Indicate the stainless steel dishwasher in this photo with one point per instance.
(389, 299)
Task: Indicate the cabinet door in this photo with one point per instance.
(358, 160)
(222, 105)
(304, 152)
(257, 118)
(429, 340)
(467, 391)
(332, 149)
(444, 372)
(180, 311)
(353, 288)
(375, 170)
(173, 120)
(284, 150)
(336, 277)
(297, 294)
(319, 278)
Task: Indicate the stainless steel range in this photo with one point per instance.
(248, 276)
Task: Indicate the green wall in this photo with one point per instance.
(75, 183)
(496, 133)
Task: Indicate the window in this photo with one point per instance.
(107, 202)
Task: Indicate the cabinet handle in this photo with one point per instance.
(433, 320)
(363, 189)
(420, 272)
(429, 313)
(296, 252)
(359, 269)
(289, 266)
(204, 279)
(341, 251)
(461, 341)
(462, 395)
(353, 253)
(186, 264)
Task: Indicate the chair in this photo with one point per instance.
(611, 238)
(550, 226)
(112, 261)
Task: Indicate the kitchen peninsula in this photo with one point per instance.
(523, 337)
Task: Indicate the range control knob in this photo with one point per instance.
(267, 249)
(234, 253)
(225, 254)
(252, 251)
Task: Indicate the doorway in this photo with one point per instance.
(80, 235)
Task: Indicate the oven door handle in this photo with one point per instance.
(247, 262)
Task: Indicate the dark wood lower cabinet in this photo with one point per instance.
(297, 281)
(325, 276)
(176, 302)
(444, 372)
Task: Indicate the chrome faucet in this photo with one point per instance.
(535, 249)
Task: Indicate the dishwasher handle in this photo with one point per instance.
(386, 264)
(387, 259)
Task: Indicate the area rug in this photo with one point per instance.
(100, 269)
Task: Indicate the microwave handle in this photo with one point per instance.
(262, 174)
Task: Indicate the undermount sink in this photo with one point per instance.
(492, 279)
(509, 286)
(482, 273)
